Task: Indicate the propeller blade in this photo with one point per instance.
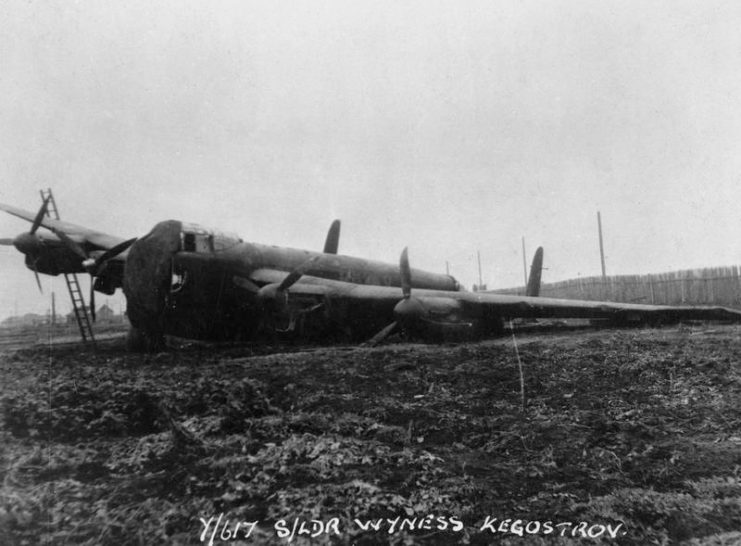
(6, 242)
(409, 309)
(406, 274)
(36, 273)
(296, 274)
(536, 269)
(72, 245)
(40, 215)
(332, 243)
(244, 282)
(383, 334)
(38, 281)
(114, 251)
(92, 297)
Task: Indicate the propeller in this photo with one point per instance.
(276, 294)
(40, 215)
(71, 244)
(36, 274)
(247, 284)
(94, 266)
(275, 291)
(29, 243)
(406, 274)
(383, 334)
(407, 308)
(436, 315)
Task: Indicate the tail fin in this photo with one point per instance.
(332, 243)
(533, 281)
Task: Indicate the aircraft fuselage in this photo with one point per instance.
(180, 280)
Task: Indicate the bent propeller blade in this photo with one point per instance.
(115, 251)
(406, 274)
(40, 215)
(92, 298)
(247, 284)
(71, 244)
(38, 281)
(297, 273)
(383, 334)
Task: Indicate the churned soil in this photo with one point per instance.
(627, 436)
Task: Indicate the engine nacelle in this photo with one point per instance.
(435, 318)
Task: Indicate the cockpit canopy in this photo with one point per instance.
(195, 238)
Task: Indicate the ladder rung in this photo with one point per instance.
(73, 285)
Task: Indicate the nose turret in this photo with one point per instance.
(148, 275)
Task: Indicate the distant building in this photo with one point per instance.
(105, 314)
(71, 319)
(29, 319)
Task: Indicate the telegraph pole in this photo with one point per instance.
(524, 260)
(481, 282)
(601, 246)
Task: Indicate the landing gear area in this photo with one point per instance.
(139, 341)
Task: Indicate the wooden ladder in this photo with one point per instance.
(73, 284)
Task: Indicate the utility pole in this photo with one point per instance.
(53, 310)
(601, 246)
(602, 259)
(524, 260)
(481, 282)
(447, 268)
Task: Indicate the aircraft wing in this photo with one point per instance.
(78, 233)
(537, 307)
(500, 304)
(453, 308)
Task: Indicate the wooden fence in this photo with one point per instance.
(709, 286)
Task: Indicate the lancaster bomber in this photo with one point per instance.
(188, 281)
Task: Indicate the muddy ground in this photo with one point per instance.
(634, 434)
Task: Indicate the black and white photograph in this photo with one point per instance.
(357, 273)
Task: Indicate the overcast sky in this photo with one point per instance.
(448, 127)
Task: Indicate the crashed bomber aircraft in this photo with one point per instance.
(184, 280)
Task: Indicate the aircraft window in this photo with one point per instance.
(198, 242)
(189, 242)
(199, 239)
